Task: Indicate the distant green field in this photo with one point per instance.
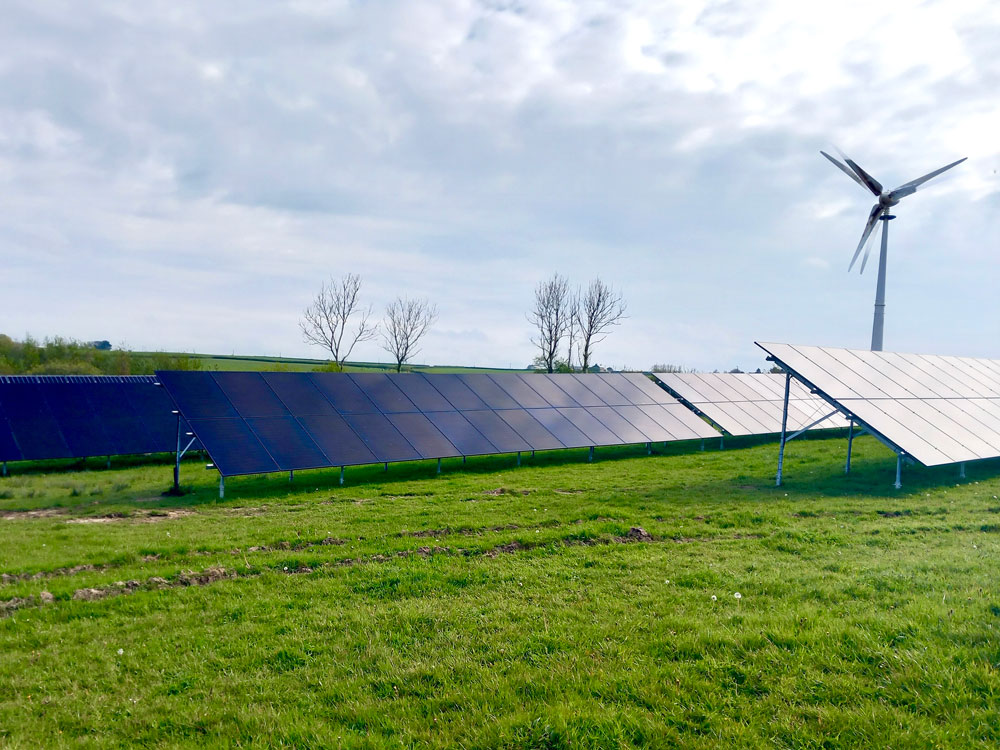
(291, 364)
(563, 604)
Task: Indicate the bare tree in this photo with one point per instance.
(327, 322)
(406, 322)
(573, 328)
(601, 307)
(551, 316)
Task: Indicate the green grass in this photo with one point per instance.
(503, 607)
(238, 362)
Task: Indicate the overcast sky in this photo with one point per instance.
(183, 176)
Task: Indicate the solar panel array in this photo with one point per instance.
(939, 410)
(255, 423)
(76, 416)
(749, 403)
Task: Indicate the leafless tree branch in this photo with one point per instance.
(550, 316)
(600, 308)
(406, 322)
(328, 323)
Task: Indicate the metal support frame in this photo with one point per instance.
(519, 458)
(961, 470)
(649, 449)
(703, 444)
(3, 470)
(463, 460)
(108, 464)
(291, 475)
(179, 454)
(722, 442)
(439, 466)
(867, 429)
(850, 444)
(784, 427)
(590, 455)
(386, 468)
(222, 486)
(341, 474)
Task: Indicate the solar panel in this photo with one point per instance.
(529, 428)
(491, 394)
(305, 420)
(937, 410)
(525, 396)
(380, 391)
(423, 395)
(76, 416)
(468, 440)
(287, 443)
(748, 404)
(382, 438)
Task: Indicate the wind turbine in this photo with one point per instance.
(880, 212)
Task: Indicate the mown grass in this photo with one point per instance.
(505, 607)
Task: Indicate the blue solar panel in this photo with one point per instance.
(525, 396)
(337, 440)
(577, 390)
(423, 395)
(381, 391)
(382, 438)
(127, 432)
(590, 426)
(423, 435)
(343, 393)
(329, 419)
(459, 395)
(83, 433)
(155, 410)
(547, 389)
(233, 446)
(36, 430)
(497, 431)
(529, 428)
(197, 395)
(299, 395)
(250, 394)
(561, 427)
(8, 446)
(287, 443)
(601, 388)
(461, 433)
(625, 430)
(491, 394)
(628, 389)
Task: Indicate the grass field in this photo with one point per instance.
(561, 604)
(238, 362)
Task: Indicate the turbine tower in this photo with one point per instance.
(880, 212)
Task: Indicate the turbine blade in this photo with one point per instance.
(872, 218)
(868, 248)
(908, 188)
(870, 182)
(843, 168)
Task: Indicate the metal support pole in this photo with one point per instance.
(703, 443)
(341, 474)
(222, 486)
(439, 466)
(463, 460)
(3, 471)
(961, 470)
(722, 442)
(177, 457)
(519, 458)
(899, 470)
(878, 323)
(850, 443)
(649, 449)
(590, 455)
(386, 466)
(291, 475)
(108, 464)
(532, 454)
(784, 429)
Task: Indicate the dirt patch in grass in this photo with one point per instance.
(143, 516)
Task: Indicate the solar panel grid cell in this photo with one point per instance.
(624, 385)
(577, 389)
(234, 447)
(299, 394)
(468, 440)
(423, 435)
(562, 428)
(530, 430)
(619, 425)
(518, 389)
(343, 393)
(287, 443)
(458, 394)
(337, 440)
(423, 395)
(550, 391)
(497, 431)
(491, 394)
(382, 438)
(382, 392)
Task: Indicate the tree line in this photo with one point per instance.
(60, 356)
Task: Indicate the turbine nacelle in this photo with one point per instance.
(886, 198)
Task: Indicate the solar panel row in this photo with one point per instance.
(76, 416)
(937, 409)
(253, 423)
(749, 403)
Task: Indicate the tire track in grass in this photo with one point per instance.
(214, 574)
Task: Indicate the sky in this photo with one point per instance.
(183, 176)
